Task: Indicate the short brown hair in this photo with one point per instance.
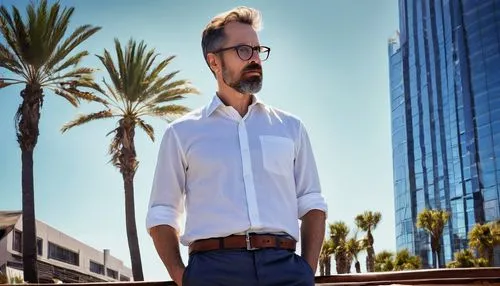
(213, 35)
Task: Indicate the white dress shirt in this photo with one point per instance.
(234, 175)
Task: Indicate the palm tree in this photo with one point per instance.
(325, 257)
(354, 246)
(433, 221)
(37, 55)
(384, 261)
(405, 261)
(484, 238)
(338, 234)
(137, 90)
(465, 259)
(367, 222)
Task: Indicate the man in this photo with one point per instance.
(243, 171)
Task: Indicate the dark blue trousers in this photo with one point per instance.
(264, 267)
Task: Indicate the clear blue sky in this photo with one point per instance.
(328, 65)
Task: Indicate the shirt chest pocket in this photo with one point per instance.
(278, 154)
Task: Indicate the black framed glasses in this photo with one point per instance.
(245, 52)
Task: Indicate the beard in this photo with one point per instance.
(243, 84)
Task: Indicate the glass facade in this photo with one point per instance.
(445, 105)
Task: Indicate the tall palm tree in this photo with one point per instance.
(434, 221)
(368, 222)
(36, 54)
(354, 246)
(325, 257)
(138, 89)
(338, 234)
(484, 238)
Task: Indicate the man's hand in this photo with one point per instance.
(312, 232)
(166, 241)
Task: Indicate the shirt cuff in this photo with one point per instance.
(311, 201)
(162, 215)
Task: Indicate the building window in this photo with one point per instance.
(17, 242)
(62, 254)
(96, 267)
(124, 278)
(112, 273)
(39, 246)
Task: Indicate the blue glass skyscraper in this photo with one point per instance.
(445, 106)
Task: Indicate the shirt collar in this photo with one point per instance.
(216, 102)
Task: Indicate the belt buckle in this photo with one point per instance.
(249, 244)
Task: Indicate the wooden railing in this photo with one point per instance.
(457, 276)
(445, 276)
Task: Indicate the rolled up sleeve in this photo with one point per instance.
(166, 204)
(307, 182)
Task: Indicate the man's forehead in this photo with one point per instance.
(239, 33)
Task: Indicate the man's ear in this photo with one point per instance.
(213, 63)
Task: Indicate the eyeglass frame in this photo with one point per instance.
(254, 48)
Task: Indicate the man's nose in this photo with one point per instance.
(255, 58)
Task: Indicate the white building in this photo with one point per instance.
(60, 256)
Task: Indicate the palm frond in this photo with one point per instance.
(77, 95)
(166, 111)
(7, 28)
(9, 61)
(77, 73)
(4, 82)
(113, 96)
(113, 73)
(159, 85)
(368, 220)
(159, 68)
(76, 38)
(147, 128)
(38, 30)
(82, 119)
(68, 96)
(57, 34)
(174, 94)
(29, 53)
(72, 61)
(122, 69)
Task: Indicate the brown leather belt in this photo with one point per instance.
(249, 242)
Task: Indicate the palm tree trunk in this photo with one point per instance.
(370, 263)
(27, 119)
(29, 225)
(348, 266)
(358, 267)
(321, 266)
(328, 267)
(128, 169)
(341, 263)
(435, 247)
(370, 257)
(133, 240)
(438, 264)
